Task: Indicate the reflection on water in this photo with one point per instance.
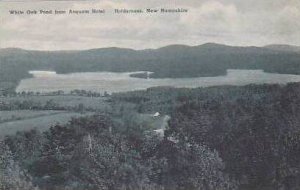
(49, 81)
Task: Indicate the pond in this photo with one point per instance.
(50, 81)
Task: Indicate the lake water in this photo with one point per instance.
(49, 81)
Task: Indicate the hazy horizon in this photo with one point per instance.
(136, 49)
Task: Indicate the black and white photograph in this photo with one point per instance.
(149, 95)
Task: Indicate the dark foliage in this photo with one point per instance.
(218, 138)
(90, 153)
(255, 128)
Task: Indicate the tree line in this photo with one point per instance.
(225, 137)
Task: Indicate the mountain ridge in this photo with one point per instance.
(285, 47)
(174, 61)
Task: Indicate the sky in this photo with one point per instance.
(231, 22)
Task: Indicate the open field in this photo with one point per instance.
(26, 112)
(66, 101)
(41, 123)
(6, 116)
(150, 121)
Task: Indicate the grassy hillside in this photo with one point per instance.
(41, 122)
(65, 102)
(26, 112)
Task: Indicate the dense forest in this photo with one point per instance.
(224, 137)
(175, 61)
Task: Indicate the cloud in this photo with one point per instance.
(233, 22)
(212, 18)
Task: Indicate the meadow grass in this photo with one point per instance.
(41, 123)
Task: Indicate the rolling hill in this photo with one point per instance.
(172, 61)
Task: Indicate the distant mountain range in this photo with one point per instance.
(280, 47)
(178, 47)
(171, 61)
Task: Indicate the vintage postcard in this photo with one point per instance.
(149, 95)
